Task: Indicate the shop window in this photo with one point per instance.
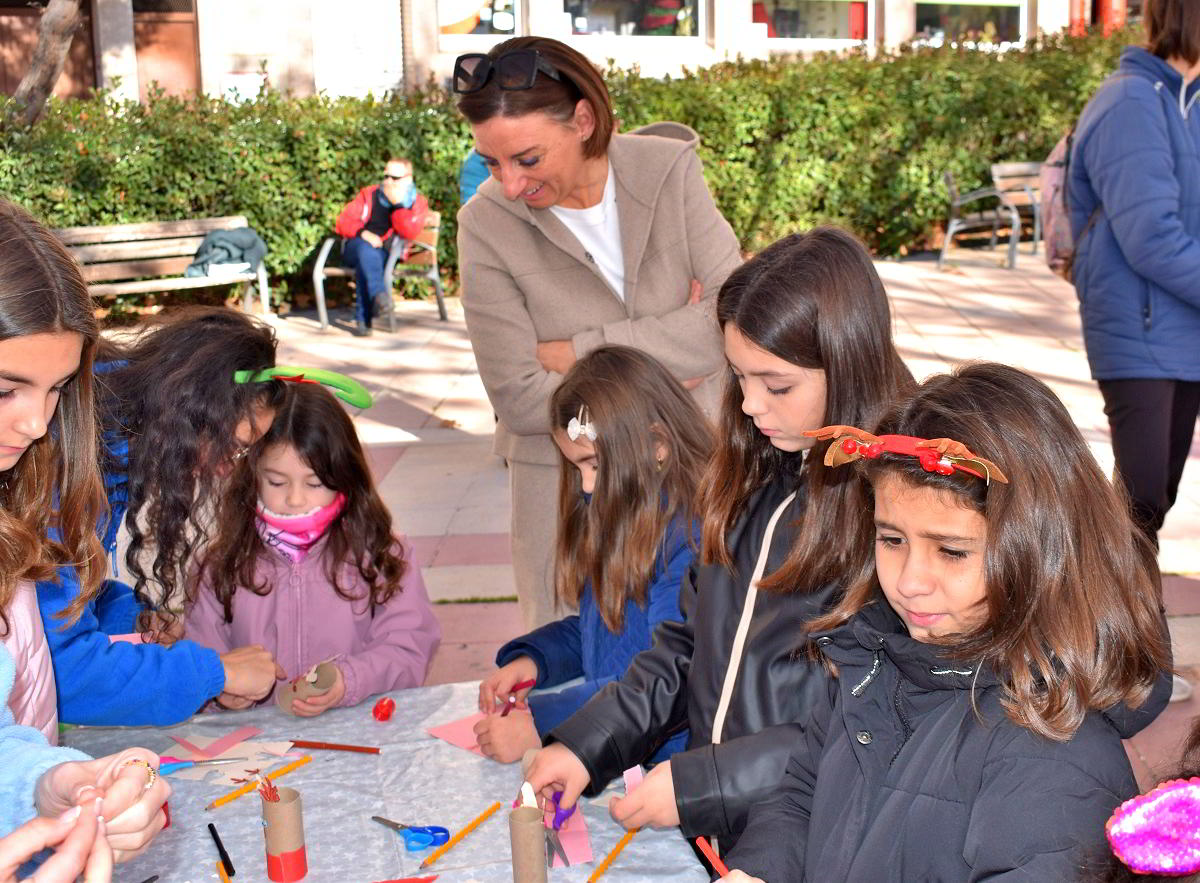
(634, 18)
(477, 17)
(990, 22)
(809, 19)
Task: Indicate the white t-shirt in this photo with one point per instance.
(599, 232)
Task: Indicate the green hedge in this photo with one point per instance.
(786, 144)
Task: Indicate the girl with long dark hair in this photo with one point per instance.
(808, 339)
(305, 564)
(633, 446)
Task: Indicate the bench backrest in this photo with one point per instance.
(1017, 180)
(133, 251)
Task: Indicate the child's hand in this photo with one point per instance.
(250, 672)
(736, 876)
(77, 838)
(506, 739)
(652, 803)
(132, 795)
(314, 705)
(556, 768)
(495, 689)
(164, 628)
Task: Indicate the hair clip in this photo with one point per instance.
(345, 388)
(581, 424)
(939, 455)
(1159, 832)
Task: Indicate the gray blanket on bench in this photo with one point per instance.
(241, 245)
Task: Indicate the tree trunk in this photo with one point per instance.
(59, 23)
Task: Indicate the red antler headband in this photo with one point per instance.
(940, 455)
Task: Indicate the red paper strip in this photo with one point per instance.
(220, 745)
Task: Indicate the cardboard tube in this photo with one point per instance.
(323, 678)
(527, 761)
(283, 822)
(528, 835)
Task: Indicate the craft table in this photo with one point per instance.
(416, 779)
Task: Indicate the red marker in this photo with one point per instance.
(512, 699)
(713, 858)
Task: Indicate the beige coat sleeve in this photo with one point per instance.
(686, 340)
(503, 336)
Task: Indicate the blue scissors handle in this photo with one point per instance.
(424, 836)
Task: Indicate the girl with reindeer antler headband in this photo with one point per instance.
(1000, 634)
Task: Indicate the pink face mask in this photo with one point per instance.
(294, 535)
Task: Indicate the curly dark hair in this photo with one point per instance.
(311, 421)
(171, 392)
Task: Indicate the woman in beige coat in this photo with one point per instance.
(580, 238)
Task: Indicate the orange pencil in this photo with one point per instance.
(253, 785)
(221, 873)
(445, 847)
(612, 856)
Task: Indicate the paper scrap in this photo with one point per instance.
(633, 777)
(460, 733)
(219, 745)
(411, 879)
(528, 798)
(573, 835)
(260, 756)
(131, 638)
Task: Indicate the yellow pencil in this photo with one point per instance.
(445, 847)
(221, 873)
(250, 786)
(612, 856)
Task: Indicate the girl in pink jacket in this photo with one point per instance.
(305, 563)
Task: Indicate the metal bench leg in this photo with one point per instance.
(1015, 239)
(1037, 226)
(950, 231)
(436, 278)
(318, 278)
(264, 293)
(395, 251)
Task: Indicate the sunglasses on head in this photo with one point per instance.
(513, 71)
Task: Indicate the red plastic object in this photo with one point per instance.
(383, 709)
(287, 867)
(167, 813)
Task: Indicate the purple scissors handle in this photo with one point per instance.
(560, 815)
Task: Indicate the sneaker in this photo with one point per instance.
(361, 330)
(1181, 690)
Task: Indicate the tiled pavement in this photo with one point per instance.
(429, 439)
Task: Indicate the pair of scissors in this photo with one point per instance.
(168, 765)
(416, 837)
(553, 843)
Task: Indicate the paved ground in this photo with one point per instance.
(429, 438)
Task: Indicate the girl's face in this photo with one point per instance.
(929, 552)
(535, 157)
(582, 454)
(783, 399)
(287, 485)
(33, 371)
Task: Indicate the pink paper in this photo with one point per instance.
(131, 638)
(218, 746)
(460, 733)
(633, 777)
(573, 835)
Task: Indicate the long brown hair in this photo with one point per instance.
(636, 406)
(171, 391)
(815, 300)
(56, 483)
(1073, 594)
(556, 98)
(311, 421)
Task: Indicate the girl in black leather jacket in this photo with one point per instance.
(808, 338)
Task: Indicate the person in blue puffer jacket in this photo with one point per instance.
(632, 442)
(1134, 201)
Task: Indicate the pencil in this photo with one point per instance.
(221, 873)
(335, 746)
(445, 847)
(251, 786)
(612, 856)
(711, 855)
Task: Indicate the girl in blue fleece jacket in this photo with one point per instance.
(174, 418)
(632, 442)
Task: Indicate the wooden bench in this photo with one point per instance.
(151, 257)
(421, 264)
(1019, 187)
(993, 217)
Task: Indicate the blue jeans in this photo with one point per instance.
(367, 261)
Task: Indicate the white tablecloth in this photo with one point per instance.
(416, 779)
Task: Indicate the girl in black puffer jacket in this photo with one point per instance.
(989, 655)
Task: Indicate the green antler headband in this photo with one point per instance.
(345, 388)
